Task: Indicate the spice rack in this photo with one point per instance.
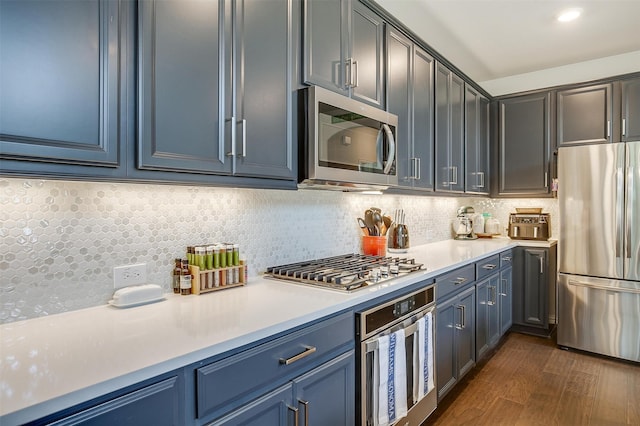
(203, 281)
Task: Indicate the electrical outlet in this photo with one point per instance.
(124, 276)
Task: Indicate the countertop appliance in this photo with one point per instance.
(402, 313)
(346, 272)
(463, 224)
(529, 226)
(348, 145)
(599, 246)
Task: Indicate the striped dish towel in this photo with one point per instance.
(423, 358)
(391, 379)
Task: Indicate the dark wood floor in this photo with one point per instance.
(529, 381)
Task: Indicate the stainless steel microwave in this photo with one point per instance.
(348, 145)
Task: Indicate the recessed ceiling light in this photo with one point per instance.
(569, 15)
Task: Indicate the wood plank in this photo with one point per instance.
(633, 396)
(540, 408)
(529, 381)
(610, 405)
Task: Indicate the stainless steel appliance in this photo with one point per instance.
(599, 280)
(535, 226)
(401, 313)
(346, 272)
(463, 224)
(349, 146)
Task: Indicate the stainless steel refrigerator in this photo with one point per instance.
(599, 249)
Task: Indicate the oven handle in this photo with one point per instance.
(408, 331)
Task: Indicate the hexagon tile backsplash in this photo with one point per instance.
(61, 240)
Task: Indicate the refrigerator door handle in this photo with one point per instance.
(603, 287)
(619, 213)
(629, 213)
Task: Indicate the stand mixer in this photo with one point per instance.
(463, 224)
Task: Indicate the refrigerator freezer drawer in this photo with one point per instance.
(599, 315)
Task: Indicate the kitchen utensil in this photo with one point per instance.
(398, 233)
(377, 220)
(368, 220)
(363, 226)
(387, 220)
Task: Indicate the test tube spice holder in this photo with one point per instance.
(209, 280)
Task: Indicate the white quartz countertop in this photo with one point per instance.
(51, 363)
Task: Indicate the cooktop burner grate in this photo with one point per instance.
(346, 272)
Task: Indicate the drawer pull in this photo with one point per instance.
(489, 266)
(507, 258)
(459, 280)
(308, 351)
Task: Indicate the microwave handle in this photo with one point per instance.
(392, 149)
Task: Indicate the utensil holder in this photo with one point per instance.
(374, 245)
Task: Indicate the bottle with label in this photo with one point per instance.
(177, 271)
(185, 278)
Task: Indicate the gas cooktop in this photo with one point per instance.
(347, 272)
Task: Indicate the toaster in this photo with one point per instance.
(529, 226)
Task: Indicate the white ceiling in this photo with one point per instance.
(494, 40)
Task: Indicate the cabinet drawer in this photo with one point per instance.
(220, 383)
(487, 266)
(506, 258)
(454, 281)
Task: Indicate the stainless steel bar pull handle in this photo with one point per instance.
(507, 258)
(306, 411)
(608, 129)
(307, 351)
(541, 259)
(295, 414)
(504, 286)
(489, 266)
(459, 280)
(244, 138)
(463, 320)
(418, 166)
(347, 72)
(454, 175)
(233, 137)
(354, 79)
(481, 174)
(624, 127)
(414, 172)
(461, 325)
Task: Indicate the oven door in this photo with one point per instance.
(419, 407)
(350, 142)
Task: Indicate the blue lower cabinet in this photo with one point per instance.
(323, 396)
(488, 329)
(455, 339)
(506, 301)
(159, 404)
(274, 409)
(326, 395)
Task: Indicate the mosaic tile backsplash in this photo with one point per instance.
(61, 240)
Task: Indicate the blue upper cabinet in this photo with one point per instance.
(59, 80)
(344, 49)
(181, 86)
(449, 130)
(217, 86)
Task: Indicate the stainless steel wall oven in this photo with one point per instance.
(413, 316)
